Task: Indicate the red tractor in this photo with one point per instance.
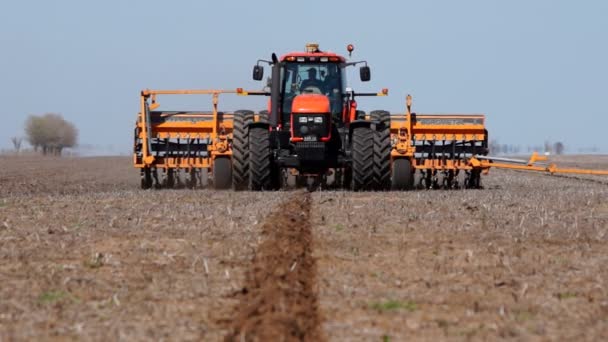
(313, 134)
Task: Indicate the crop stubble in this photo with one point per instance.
(526, 258)
(85, 254)
(99, 259)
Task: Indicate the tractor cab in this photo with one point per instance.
(309, 79)
(312, 72)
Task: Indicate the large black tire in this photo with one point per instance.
(402, 174)
(276, 181)
(240, 149)
(362, 159)
(382, 149)
(260, 163)
(222, 173)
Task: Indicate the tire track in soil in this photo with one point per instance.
(278, 301)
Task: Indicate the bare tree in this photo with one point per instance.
(51, 133)
(17, 143)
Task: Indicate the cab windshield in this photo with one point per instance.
(312, 78)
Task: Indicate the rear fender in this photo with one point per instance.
(259, 124)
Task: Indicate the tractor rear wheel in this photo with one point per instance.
(382, 149)
(240, 149)
(402, 174)
(222, 173)
(260, 164)
(362, 159)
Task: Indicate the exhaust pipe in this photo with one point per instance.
(275, 92)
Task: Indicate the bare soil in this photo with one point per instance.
(279, 302)
(86, 255)
(526, 259)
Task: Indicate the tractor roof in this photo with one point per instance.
(312, 54)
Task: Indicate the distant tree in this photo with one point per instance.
(35, 131)
(17, 143)
(558, 148)
(516, 149)
(51, 133)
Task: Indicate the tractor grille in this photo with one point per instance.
(311, 127)
(310, 150)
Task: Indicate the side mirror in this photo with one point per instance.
(258, 72)
(365, 73)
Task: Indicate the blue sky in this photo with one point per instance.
(537, 69)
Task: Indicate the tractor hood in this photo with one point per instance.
(310, 103)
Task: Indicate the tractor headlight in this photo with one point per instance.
(312, 125)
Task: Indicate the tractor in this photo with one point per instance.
(313, 134)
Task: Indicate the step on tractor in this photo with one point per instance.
(312, 134)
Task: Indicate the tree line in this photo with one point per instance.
(49, 133)
(553, 148)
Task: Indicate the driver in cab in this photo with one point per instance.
(312, 85)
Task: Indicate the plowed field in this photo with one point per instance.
(86, 255)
